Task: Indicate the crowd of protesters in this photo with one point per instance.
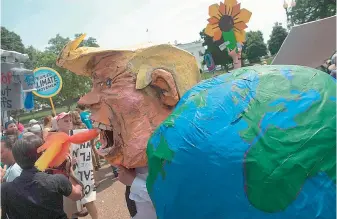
(28, 193)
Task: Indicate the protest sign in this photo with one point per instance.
(48, 83)
(11, 91)
(84, 168)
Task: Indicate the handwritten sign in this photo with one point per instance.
(11, 91)
(84, 170)
(48, 82)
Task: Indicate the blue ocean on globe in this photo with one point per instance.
(228, 150)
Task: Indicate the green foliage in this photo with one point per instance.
(73, 86)
(277, 37)
(311, 10)
(11, 41)
(255, 46)
(219, 57)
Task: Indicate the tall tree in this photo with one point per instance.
(74, 86)
(277, 37)
(56, 44)
(311, 10)
(255, 46)
(11, 41)
(220, 57)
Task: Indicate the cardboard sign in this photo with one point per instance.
(48, 82)
(84, 168)
(11, 91)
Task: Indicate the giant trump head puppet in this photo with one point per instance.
(132, 93)
(258, 142)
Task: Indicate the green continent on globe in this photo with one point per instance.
(157, 158)
(291, 130)
(161, 153)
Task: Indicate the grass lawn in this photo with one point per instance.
(207, 75)
(269, 60)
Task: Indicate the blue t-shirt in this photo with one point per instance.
(85, 117)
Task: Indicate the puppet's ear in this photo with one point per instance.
(161, 79)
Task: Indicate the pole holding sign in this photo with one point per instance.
(48, 83)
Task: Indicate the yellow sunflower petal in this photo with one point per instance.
(240, 36)
(213, 11)
(222, 8)
(209, 30)
(236, 10)
(244, 16)
(240, 25)
(213, 20)
(217, 34)
(231, 2)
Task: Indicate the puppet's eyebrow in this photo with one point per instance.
(94, 75)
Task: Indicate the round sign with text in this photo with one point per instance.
(48, 82)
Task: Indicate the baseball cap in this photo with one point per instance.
(35, 128)
(61, 116)
(8, 123)
(32, 121)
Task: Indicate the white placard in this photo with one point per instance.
(84, 170)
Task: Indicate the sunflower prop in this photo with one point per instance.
(227, 24)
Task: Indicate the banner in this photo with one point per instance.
(84, 168)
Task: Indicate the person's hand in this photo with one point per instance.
(2, 172)
(235, 55)
(73, 161)
(69, 164)
(126, 176)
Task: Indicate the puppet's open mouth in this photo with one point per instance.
(106, 138)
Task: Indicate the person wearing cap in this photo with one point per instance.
(37, 130)
(65, 124)
(11, 128)
(32, 122)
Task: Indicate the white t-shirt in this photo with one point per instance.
(12, 172)
(139, 194)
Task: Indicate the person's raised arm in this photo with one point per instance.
(71, 187)
(236, 56)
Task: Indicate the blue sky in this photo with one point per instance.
(123, 23)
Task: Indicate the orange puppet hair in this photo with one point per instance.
(56, 147)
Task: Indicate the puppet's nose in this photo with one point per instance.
(89, 99)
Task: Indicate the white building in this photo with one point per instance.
(195, 49)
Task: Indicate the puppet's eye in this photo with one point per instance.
(108, 82)
(101, 84)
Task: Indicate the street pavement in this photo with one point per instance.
(110, 197)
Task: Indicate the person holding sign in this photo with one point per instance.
(83, 170)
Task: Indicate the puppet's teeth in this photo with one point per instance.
(101, 126)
